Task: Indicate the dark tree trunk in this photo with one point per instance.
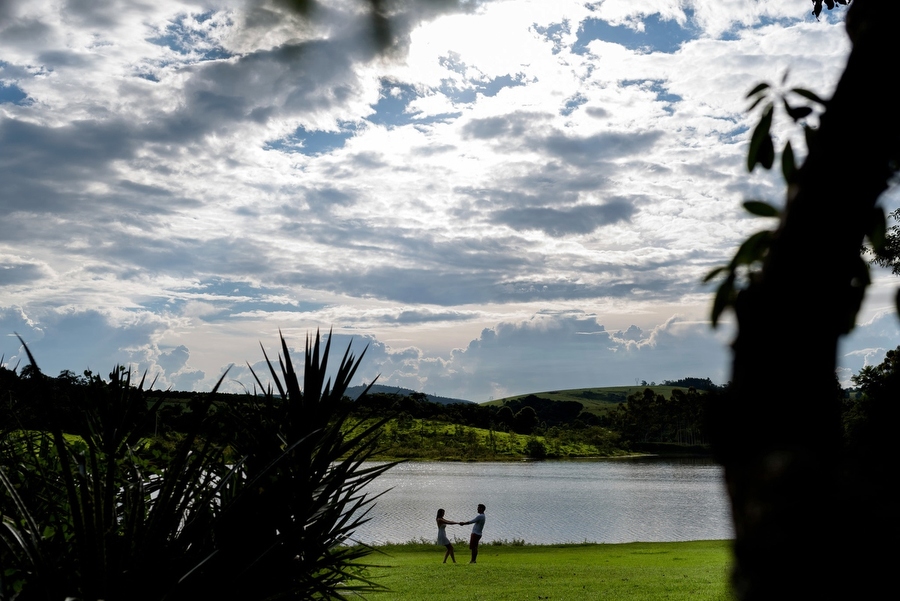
(800, 529)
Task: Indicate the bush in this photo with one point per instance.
(535, 449)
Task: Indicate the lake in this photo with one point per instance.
(545, 502)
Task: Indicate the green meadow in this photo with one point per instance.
(595, 400)
(441, 441)
(696, 570)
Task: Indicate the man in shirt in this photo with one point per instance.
(477, 528)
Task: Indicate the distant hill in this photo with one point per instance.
(354, 391)
(595, 400)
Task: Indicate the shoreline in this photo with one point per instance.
(428, 545)
(507, 459)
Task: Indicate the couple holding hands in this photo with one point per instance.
(478, 526)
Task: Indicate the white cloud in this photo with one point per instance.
(553, 351)
(183, 178)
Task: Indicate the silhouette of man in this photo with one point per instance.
(477, 529)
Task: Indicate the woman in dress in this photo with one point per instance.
(442, 535)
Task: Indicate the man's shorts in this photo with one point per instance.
(473, 541)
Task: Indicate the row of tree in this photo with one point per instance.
(652, 417)
(645, 417)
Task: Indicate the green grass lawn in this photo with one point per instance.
(694, 570)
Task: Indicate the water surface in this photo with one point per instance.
(612, 501)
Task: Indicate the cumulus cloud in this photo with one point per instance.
(560, 222)
(182, 178)
(79, 340)
(552, 351)
(867, 344)
(15, 271)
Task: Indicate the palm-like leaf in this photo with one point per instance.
(307, 468)
(95, 516)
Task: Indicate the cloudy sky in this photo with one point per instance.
(515, 196)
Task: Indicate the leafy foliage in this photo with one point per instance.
(252, 501)
(650, 417)
(488, 431)
(697, 383)
(817, 5)
(888, 254)
(791, 481)
(870, 416)
(746, 265)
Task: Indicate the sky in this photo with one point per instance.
(513, 196)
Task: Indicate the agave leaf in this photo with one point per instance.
(27, 541)
(714, 273)
(272, 372)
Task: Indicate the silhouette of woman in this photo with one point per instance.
(442, 535)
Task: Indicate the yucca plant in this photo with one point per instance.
(89, 512)
(300, 496)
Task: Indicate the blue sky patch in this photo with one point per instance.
(186, 40)
(735, 135)
(467, 95)
(312, 142)
(658, 35)
(658, 87)
(11, 93)
(572, 103)
(493, 87)
(764, 21)
(467, 92)
(392, 108)
(553, 33)
(148, 76)
(393, 101)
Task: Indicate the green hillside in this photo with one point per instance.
(595, 400)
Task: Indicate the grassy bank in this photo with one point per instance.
(696, 570)
(440, 441)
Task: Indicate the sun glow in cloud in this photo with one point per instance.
(518, 195)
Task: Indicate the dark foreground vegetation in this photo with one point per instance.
(542, 426)
(110, 490)
(244, 500)
(808, 473)
(793, 482)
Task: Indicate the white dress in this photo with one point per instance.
(442, 535)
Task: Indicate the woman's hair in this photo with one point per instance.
(440, 513)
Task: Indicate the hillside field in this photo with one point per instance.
(595, 400)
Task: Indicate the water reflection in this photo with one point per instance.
(622, 500)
